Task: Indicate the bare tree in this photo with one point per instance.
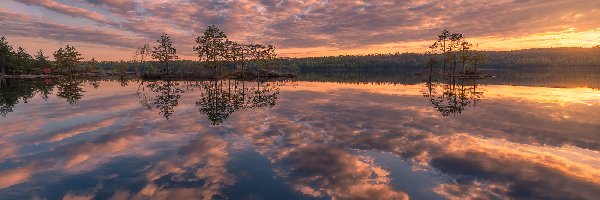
(142, 53)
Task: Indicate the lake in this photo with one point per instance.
(298, 139)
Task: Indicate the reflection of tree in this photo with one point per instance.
(14, 91)
(165, 96)
(221, 98)
(10, 94)
(123, 81)
(218, 99)
(94, 83)
(70, 89)
(45, 88)
(456, 94)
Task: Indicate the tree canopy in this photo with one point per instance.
(165, 52)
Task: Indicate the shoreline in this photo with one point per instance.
(237, 76)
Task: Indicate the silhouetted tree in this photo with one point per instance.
(215, 50)
(455, 50)
(165, 52)
(442, 44)
(476, 59)
(67, 58)
(92, 66)
(6, 55)
(211, 47)
(23, 61)
(121, 68)
(41, 60)
(142, 53)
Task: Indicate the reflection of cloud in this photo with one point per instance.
(561, 121)
(82, 129)
(204, 160)
(71, 196)
(474, 190)
(513, 165)
(312, 138)
(313, 168)
(15, 176)
(526, 171)
(321, 170)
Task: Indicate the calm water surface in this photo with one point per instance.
(67, 139)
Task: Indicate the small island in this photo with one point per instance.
(218, 58)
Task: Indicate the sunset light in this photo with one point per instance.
(108, 29)
(299, 99)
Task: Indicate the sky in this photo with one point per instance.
(112, 29)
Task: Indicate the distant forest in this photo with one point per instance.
(219, 54)
(564, 58)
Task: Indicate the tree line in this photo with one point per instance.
(214, 50)
(219, 55)
(16, 62)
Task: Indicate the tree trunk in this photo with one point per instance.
(167, 67)
(3, 66)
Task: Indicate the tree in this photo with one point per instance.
(142, 53)
(23, 61)
(121, 68)
(268, 55)
(261, 54)
(59, 59)
(440, 44)
(5, 55)
(211, 46)
(455, 49)
(41, 60)
(164, 52)
(67, 58)
(476, 58)
(231, 52)
(92, 66)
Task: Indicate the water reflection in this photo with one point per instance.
(321, 141)
(164, 96)
(216, 99)
(11, 93)
(15, 91)
(452, 94)
(70, 89)
(221, 98)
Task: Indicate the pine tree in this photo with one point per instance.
(164, 52)
(5, 55)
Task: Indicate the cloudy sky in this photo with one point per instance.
(111, 29)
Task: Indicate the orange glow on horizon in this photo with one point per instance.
(569, 37)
